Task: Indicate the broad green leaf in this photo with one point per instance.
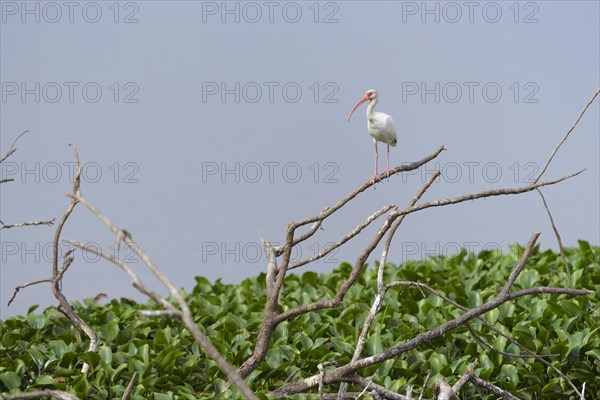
(44, 380)
(92, 358)
(437, 362)
(10, 379)
(105, 354)
(374, 345)
(109, 331)
(36, 321)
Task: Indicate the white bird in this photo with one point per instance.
(381, 127)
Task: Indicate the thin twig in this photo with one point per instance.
(531, 353)
(332, 209)
(344, 239)
(424, 385)
(517, 270)
(560, 244)
(135, 280)
(12, 149)
(130, 387)
(443, 391)
(339, 374)
(32, 223)
(566, 136)
(185, 315)
(41, 394)
(492, 388)
(483, 194)
(504, 353)
(57, 275)
(23, 286)
(396, 224)
(365, 389)
(465, 378)
(378, 301)
(380, 390)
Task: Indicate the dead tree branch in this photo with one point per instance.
(41, 395)
(486, 193)
(328, 211)
(344, 239)
(272, 316)
(31, 223)
(276, 273)
(11, 150)
(558, 239)
(490, 387)
(130, 386)
(184, 314)
(376, 306)
(339, 374)
(566, 136)
(57, 273)
(23, 286)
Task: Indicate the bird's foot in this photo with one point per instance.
(387, 172)
(375, 178)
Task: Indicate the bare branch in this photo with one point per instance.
(344, 239)
(161, 313)
(480, 195)
(271, 268)
(511, 355)
(366, 388)
(338, 374)
(519, 267)
(465, 378)
(380, 390)
(135, 280)
(23, 286)
(425, 385)
(566, 136)
(42, 394)
(32, 223)
(130, 387)
(339, 297)
(492, 388)
(376, 306)
(560, 244)
(390, 236)
(185, 315)
(321, 368)
(330, 210)
(531, 354)
(12, 147)
(57, 275)
(443, 391)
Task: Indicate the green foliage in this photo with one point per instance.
(43, 351)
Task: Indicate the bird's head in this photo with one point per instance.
(370, 94)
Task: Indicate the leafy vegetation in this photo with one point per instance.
(43, 351)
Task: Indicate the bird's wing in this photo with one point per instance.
(384, 128)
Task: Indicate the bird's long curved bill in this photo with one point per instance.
(365, 98)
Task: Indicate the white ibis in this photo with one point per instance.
(381, 128)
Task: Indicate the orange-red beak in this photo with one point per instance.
(365, 98)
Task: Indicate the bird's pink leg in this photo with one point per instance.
(388, 169)
(376, 176)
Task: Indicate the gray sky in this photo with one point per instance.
(206, 126)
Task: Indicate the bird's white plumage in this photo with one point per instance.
(381, 127)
